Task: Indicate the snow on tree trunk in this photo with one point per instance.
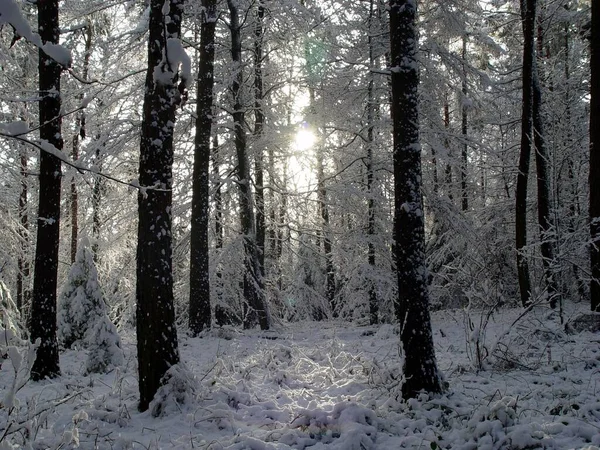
(420, 368)
(155, 315)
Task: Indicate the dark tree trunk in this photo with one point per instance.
(156, 332)
(373, 300)
(253, 283)
(465, 130)
(594, 178)
(420, 368)
(528, 17)
(43, 307)
(545, 221)
(199, 303)
(259, 121)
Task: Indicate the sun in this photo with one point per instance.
(304, 140)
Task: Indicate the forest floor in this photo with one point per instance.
(335, 385)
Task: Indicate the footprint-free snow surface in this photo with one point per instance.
(323, 385)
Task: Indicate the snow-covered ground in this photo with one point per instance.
(333, 385)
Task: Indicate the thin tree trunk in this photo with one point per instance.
(23, 259)
(420, 368)
(259, 120)
(43, 307)
(465, 130)
(528, 17)
(448, 169)
(219, 232)
(253, 283)
(373, 300)
(79, 132)
(324, 213)
(97, 203)
(199, 301)
(545, 221)
(594, 178)
(156, 332)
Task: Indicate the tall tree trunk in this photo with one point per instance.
(156, 333)
(594, 178)
(528, 18)
(420, 368)
(545, 221)
(199, 302)
(373, 300)
(259, 121)
(253, 283)
(465, 130)
(43, 307)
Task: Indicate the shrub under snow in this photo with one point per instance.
(104, 347)
(81, 303)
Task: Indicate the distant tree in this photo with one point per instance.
(43, 306)
(199, 304)
(595, 158)
(156, 333)
(420, 368)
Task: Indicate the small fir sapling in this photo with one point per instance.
(81, 303)
(104, 347)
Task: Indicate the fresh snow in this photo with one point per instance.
(333, 385)
(10, 13)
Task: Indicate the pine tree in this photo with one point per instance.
(81, 304)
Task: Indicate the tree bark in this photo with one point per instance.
(253, 283)
(43, 307)
(420, 368)
(594, 177)
(528, 18)
(156, 333)
(199, 302)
